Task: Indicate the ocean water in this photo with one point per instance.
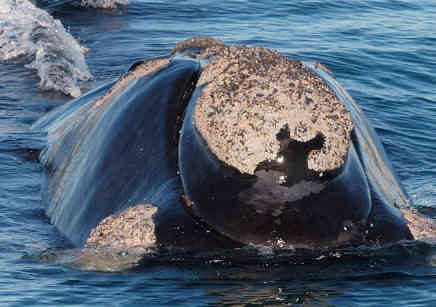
(382, 51)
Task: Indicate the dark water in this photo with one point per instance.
(382, 52)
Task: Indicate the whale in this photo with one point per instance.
(220, 146)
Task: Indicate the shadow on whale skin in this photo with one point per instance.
(138, 141)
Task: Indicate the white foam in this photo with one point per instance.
(31, 36)
(105, 4)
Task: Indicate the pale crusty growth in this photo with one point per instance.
(141, 70)
(420, 226)
(196, 42)
(250, 94)
(132, 227)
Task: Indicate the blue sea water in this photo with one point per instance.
(382, 51)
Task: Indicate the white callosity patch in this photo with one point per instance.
(132, 227)
(420, 226)
(104, 4)
(31, 36)
(250, 94)
(198, 42)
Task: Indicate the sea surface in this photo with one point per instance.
(383, 52)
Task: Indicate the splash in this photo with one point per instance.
(105, 4)
(31, 36)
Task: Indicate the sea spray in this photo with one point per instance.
(30, 36)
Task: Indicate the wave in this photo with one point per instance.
(30, 36)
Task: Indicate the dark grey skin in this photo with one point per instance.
(140, 146)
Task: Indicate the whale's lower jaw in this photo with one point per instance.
(257, 209)
(147, 140)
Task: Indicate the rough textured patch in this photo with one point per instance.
(141, 70)
(196, 43)
(420, 226)
(250, 94)
(132, 227)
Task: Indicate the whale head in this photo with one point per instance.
(265, 152)
(235, 140)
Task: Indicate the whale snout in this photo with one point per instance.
(264, 150)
